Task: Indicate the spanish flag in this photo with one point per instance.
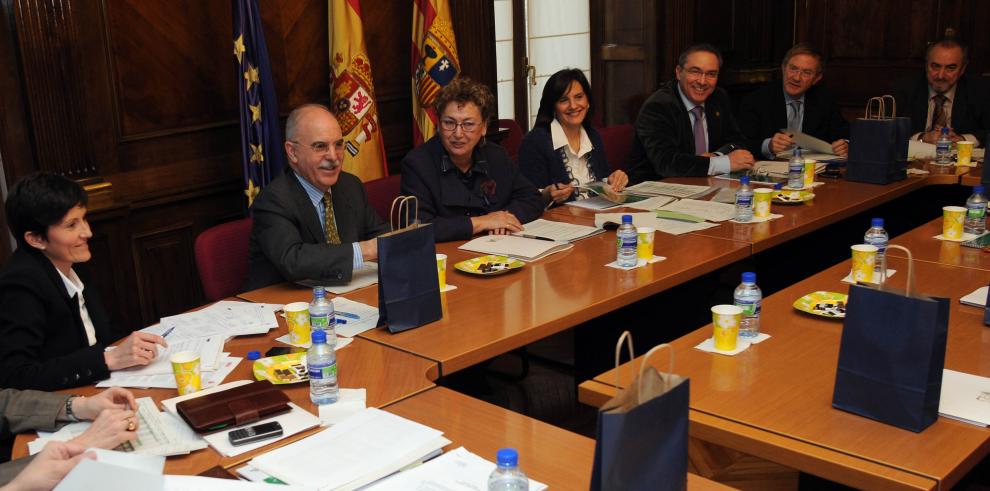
(434, 62)
(353, 93)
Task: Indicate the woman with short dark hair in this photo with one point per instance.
(464, 184)
(563, 151)
(52, 322)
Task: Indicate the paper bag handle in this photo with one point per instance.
(618, 354)
(893, 104)
(670, 364)
(881, 107)
(403, 205)
(909, 291)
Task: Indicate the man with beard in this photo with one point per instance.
(314, 221)
(686, 128)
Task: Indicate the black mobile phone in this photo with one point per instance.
(255, 433)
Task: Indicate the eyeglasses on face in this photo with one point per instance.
(450, 126)
(322, 147)
(697, 73)
(793, 70)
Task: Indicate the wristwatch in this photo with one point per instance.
(68, 409)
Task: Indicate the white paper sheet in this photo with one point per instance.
(556, 231)
(657, 188)
(351, 402)
(652, 203)
(89, 475)
(366, 276)
(978, 298)
(965, 397)
(294, 421)
(202, 483)
(457, 470)
(225, 367)
(209, 350)
(709, 210)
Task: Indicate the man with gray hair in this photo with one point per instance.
(314, 221)
(686, 128)
(770, 116)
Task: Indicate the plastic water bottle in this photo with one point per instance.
(507, 476)
(976, 212)
(749, 298)
(744, 200)
(795, 170)
(943, 146)
(322, 363)
(877, 236)
(322, 316)
(626, 243)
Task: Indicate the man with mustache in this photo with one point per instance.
(944, 97)
(686, 128)
(803, 105)
(314, 221)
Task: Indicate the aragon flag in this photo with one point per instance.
(353, 93)
(434, 62)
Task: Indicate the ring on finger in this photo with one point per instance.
(130, 425)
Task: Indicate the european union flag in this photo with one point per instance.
(261, 137)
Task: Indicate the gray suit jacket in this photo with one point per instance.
(23, 410)
(287, 241)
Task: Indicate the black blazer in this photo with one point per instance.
(287, 240)
(543, 165)
(970, 108)
(44, 343)
(444, 201)
(663, 143)
(764, 113)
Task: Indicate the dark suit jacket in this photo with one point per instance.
(44, 342)
(970, 108)
(445, 201)
(287, 240)
(663, 143)
(25, 410)
(543, 166)
(764, 112)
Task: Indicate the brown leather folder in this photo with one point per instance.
(233, 407)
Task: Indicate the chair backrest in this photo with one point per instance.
(513, 138)
(222, 258)
(381, 193)
(618, 144)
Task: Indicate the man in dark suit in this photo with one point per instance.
(800, 105)
(314, 221)
(681, 127)
(945, 97)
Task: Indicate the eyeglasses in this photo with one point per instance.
(450, 126)
(793, 70)
(697, 73)
(322, 147)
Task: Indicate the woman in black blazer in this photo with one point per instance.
(52, 322)
(563, 151)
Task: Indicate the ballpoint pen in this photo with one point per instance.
(348, 315)
(168, 331)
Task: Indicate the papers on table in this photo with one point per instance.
(360, 317)
(201, 483)
(651, 203)
(709, 210)
(517, 247)
(779, 168)
(89, 474)
(209, 350)
(452, 471)
(366, 276)
(224, 318)
(965, 397)
(649, 219)
(976, 299)
(123, 378)
(657, 188)
(556, 231)
(349, 403)
(363, 448)
(808, 142)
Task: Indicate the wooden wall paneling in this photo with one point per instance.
(16, 153)
(112, 269)
(166, 272)
(623, 57)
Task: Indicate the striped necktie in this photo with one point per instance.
(329, 223)
(699, 130)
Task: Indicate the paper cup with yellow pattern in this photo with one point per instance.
(809, 172)
(864, 259)
(644, 244)
(761, 202)
(964, 152)
(442, 270)
(726, 320)
(952, 222)
(185, 366)
(297, 318)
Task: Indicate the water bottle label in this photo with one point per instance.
(323, 372)
(626, 242)
(749, 308)
(323, 322)
(744, 200)
(976, 211)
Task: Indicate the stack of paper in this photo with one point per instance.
(657, 188)
(224, 318)
(517, 247)
(128, 378)
(649, 219)
(712, 211)
(363, 448)
(965, 397)
(452, 471)
(366, 276)
(556, 231)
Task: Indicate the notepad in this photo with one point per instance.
(657, 188)
(520, 248)
(556, 231)
(965, 397)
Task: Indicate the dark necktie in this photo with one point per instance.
(939, 117)
(699, 130)
(329, 224)
(794, 122)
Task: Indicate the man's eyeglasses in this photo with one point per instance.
(321, 147)
(697, 73)
(450, 126)
(793, 70)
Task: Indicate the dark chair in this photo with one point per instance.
(222, 258)
(381, 193)
(513, 138)
(618, 144)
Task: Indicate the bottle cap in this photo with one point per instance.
(507, 457)
(876, 222)
(319, 291)
(749, 277)
(319, 336)
(978, 189)
(254, 355)
(626, 218)
(744, 180)
(797, 151)
(778, 186)
(945, 131)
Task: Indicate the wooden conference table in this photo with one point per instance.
(774, 400)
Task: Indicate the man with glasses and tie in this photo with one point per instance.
(944, 97)
(770, 116)
(686, 128)
(314, 221)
